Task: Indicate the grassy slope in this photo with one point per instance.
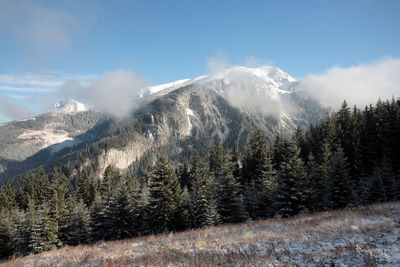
(365, 236)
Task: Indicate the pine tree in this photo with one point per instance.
(229, 200)
(80, 231)
(42, 185)
(341, 188)
(289, 197)
(203, 203)
(98, 219)
(83, 187)
(184, 178)
(317, 184)
(8, 234)
(119, 214)
(164, 196)
(376, 190)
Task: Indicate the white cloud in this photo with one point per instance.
(361, 85)
(116, 92)
(217, 63)
(27, 89)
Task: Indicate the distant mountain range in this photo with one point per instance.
(179, 117)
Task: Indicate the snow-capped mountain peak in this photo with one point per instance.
(70, 106)
(265, 78)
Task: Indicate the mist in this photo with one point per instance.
(239, 90)
(359, 85)
(116, 92)
(12, 110)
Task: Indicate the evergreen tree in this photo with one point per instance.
(184, 178)
(8, 235)
(42, 185)
(229, 200)
(98, 219)
(289, 197)
(119, 214)
(80, 231)
(83, 188)
(164, 196)
(341, 188)
(317, 184)
(203, 203)
(376, 190)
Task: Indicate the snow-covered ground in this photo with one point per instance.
(366, 236)
(48, 137)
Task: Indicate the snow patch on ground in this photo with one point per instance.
(48, 137)
(191, 113)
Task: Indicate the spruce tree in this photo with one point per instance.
(164, 196)
(8, 234)
(290, 189)
(42, 185)
(317, 184)
(229, 200)
(203, 202)
(80, 231)
(83, 188)
(341, 187)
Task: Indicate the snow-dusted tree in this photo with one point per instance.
(290, 189)
(80, 231)
(164, 196)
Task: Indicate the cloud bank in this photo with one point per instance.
(116, 92)
(360, 85)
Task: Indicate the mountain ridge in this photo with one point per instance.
(179, 117)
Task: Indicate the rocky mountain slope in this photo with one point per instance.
(178, 117)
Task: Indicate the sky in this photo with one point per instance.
(48, 45)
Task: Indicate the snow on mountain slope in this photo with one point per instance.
(70, 106)
(47, 137)
(269, 80)
(167, 87)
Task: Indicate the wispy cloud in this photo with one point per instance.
(116, 92)
(217, 63)
(360, 85)
(27, 89)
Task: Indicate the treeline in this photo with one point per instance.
(351, 158)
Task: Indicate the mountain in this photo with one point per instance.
(28, 143)
(178, 117)
(70, 106)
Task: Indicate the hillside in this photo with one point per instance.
(366, 236)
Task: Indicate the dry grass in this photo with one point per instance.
(366, 236)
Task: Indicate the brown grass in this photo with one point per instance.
(362, 236)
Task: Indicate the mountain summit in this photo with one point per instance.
(70, 105)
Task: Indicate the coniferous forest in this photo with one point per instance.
(351, 158)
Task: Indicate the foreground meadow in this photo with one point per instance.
(365, 236)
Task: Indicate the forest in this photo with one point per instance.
(351, 158)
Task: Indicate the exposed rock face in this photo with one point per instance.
(121, 159)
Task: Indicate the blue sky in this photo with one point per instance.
(161, 41)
